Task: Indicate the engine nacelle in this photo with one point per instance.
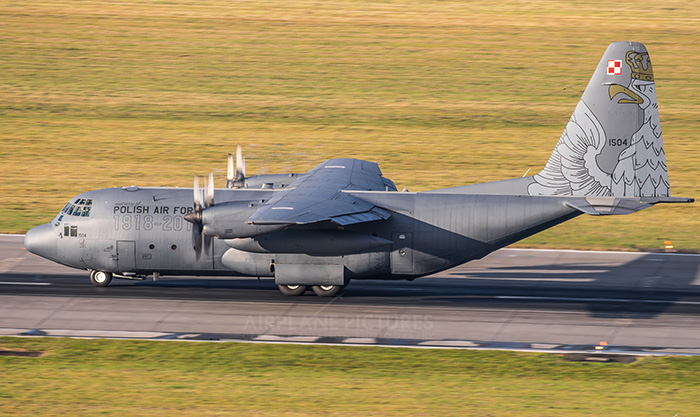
(228, 221)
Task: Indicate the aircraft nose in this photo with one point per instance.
(41, 240)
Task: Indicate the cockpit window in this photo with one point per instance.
(81, 208)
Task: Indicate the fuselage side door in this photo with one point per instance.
(126, 255)
(402, 253)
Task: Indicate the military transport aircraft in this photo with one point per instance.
(343, 220)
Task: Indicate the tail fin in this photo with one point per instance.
(612, 144)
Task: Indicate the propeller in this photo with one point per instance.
(195, 217)
(209, 195)
(234, 179)
(229, 172)
(237, 179)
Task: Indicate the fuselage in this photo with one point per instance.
(141, 231)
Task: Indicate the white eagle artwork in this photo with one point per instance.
(640, 170)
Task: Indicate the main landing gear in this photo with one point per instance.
(320, 290)
(103, 279)
(100, 278)
(292, 290)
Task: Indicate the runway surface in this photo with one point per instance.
(512, 299)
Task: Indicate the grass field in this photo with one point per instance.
(107, 93)
(99, 377)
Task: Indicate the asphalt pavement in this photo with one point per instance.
(552, 300)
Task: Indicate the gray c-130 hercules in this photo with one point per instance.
(343, 220)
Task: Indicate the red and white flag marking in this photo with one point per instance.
(614, 67)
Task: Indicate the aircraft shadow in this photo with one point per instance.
(646, 286)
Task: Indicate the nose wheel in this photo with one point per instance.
(100, 278)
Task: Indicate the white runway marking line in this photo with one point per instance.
(274, 338)
(126, 334)
(24, 283)
(601, 252)
(536, 279)
(360, 340)
(455, 343)
(616, 300)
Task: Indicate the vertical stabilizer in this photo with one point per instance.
(612, 144)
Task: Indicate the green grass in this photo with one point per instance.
(95, 377)
(96, 94)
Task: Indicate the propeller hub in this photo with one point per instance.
(194, 217)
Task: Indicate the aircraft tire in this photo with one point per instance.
(292, 290)
(100, 278)
(327, 290)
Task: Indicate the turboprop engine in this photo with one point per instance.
(226, 220)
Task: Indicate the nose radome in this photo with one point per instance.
(41, 240)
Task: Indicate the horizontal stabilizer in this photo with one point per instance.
(598, 206)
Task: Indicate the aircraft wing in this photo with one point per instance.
(318, 196)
